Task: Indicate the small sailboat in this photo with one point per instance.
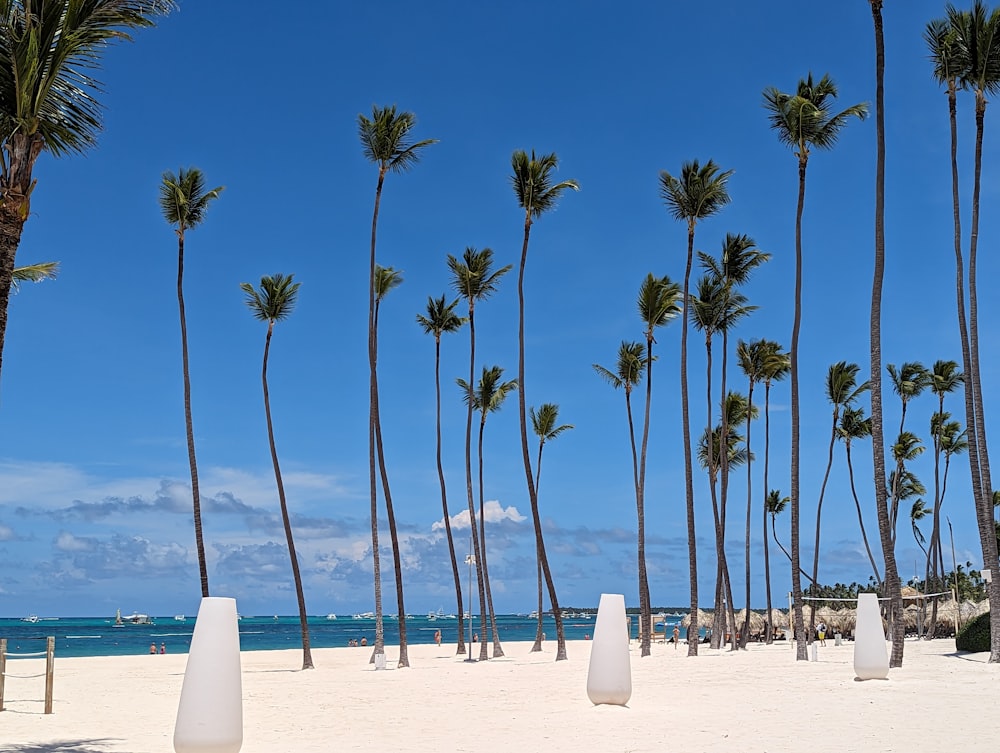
(118, 619)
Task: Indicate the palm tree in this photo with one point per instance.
(537, 193)
(979, 41)
(386, 279)
(774, 505)
(698, 193)
(46, 270)
(953, 441)
(184, 202)
(842, 390)
(386, 142)
(273, 303)
(48, 51)
(658, 305)
(906, 448)
(487, 397)
(775, 368)
(543, 422)
(854, 425)
(441, 319)
(918, 511)
(803, 121)
(908, 381)
(474, 280)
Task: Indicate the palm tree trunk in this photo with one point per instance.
(188, 424)
(767, 557)
(819, 510)
(746, 545)
(497, 648)
(798, 625)
(522, 416)
(724, 482)
(460, 648)
(537, 646)
(645, 611)
(635, 482)
(688, 467)
(379, 647)
(307, 662)
(474, 533)
(857, 505)
(15, 190)
(892, 585)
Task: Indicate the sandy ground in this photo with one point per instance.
(758, 700)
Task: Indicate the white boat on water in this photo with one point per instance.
(135, 619)
(30, 618)
(365, 616)
(330, 616)
(180, 618)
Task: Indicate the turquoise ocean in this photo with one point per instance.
(99, 636)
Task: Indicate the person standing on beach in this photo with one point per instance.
(152, 648)
(437, 637)
(677, 636)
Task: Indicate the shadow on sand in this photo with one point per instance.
(97, 745)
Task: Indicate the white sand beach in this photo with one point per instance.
(758, 700)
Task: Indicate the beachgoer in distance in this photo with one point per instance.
(475, 637)
(163, 648)
(821, 629)
(152, 648)
(677, 636)
(437, 637)
(364, 641)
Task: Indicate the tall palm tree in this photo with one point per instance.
(774, 505)
(919, 511)
(842, 390)
(48, 51)
(441, 319)
(804, 121)
(775, 365)
(853, 425)
(273, 303)
(184, 202)
(906, 448)
(487, 397)
(908, 381)
(964, 52)
(537, 193)
(696, 194)
(385, 141)
(474, 279)
(543, 423)
(658, 305)
(387, 279)
(46, 270)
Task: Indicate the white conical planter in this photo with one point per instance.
(609, 677)
(871, 660)
(210, 713)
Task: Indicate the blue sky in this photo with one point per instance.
(94, 498)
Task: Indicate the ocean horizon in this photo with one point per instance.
(100, 636)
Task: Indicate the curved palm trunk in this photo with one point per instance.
(984, 503)
(539, 633)
(497, 648)
(188, 424)
(474, 533)
(460, 648)
(930, 568)
(746, 546)
(645, 609)
(15, 189)
(532, 492)
(819, 510)
(793, 352)
(892, 585)
(635, 482)
(857, 505)
(688, 467)
(724, 485)
(307, 662)
(767, 556)
(379, 647)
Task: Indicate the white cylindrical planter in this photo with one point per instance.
(609, 676)
(210, 713)
(871, 660)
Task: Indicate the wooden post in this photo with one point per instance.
(50, 660)
(3, 667)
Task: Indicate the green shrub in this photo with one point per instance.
(975, 636)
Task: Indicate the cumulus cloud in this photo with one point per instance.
(493, 512)
(6, 533)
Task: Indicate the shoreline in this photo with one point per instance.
(760, 699)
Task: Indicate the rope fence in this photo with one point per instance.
(50, 658)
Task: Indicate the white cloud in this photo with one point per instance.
(493, 512)
(67, 542)
(6, 533)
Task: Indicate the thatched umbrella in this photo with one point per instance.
(704, 619)
(778, 618)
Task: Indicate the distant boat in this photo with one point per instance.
(134, 619)
(118, 619)
(180, 618)
(30, 618)
(365, 616)
(330, 616)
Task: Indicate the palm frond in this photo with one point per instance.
(385, 139)
(275, 299)
(47, 270)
